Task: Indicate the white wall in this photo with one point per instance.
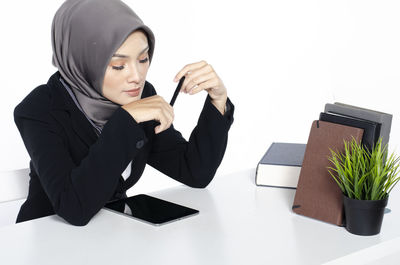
(280, 60)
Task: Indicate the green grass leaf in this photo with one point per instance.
(364, 174)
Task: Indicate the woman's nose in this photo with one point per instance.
(133, 74)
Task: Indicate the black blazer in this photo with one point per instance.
(74, 172)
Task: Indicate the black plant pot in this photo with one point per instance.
(364, 217)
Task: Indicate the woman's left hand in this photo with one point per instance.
(201, 76)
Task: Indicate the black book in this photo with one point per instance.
(371, 129)
(384, 119)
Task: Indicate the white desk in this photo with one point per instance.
(239, 223)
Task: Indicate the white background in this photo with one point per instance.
(281, 61)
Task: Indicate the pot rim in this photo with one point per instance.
(364, 204)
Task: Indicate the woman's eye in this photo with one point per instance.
(118, 67)
(144, 60)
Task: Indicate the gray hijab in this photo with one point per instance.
(84, 36)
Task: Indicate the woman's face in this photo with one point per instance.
(126, 72)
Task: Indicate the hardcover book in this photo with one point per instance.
(280, 166)
(371, 129)
(384, 119)
(318, 195)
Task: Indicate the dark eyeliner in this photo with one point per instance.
(119, 68)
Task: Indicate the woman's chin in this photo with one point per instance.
(126, 100)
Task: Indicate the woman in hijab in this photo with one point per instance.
(96, 123)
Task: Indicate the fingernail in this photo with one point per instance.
(175, 79)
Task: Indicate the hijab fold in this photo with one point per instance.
(84, 36)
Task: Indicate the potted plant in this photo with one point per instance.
(366, 177)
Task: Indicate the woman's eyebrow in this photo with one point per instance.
(127, 56)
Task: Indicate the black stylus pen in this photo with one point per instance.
(178, 88)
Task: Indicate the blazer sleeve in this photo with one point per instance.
(77, 192)
(194, 162)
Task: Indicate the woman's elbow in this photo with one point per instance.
(74, 215)
(75, 219)
(82, 221)
(202, 181)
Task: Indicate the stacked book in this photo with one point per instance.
(304, 166)
(281, 165)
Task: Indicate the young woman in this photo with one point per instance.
(96, 123)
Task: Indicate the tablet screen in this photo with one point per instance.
(150, 209)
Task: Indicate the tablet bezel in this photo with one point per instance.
(193, 212)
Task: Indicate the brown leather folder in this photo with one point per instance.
(318, 195)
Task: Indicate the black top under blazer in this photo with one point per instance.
(74, 172)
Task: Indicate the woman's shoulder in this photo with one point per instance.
(39, 100)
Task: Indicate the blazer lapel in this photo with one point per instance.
(62, 103)
(82, 127)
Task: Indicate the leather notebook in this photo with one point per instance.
(318, 195)
(371, 129)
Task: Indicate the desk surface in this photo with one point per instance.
(239, 223)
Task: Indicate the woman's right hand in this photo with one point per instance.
(151, 108)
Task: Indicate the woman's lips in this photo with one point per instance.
(133, 92)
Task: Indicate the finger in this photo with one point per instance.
(188, 68)
(162, 126)
(166, 118)
(157, 129)
(199, 80)
(193, 78)
(166, 124)
(170, 116)
(210, 84)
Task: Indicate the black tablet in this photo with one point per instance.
(150, 209)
